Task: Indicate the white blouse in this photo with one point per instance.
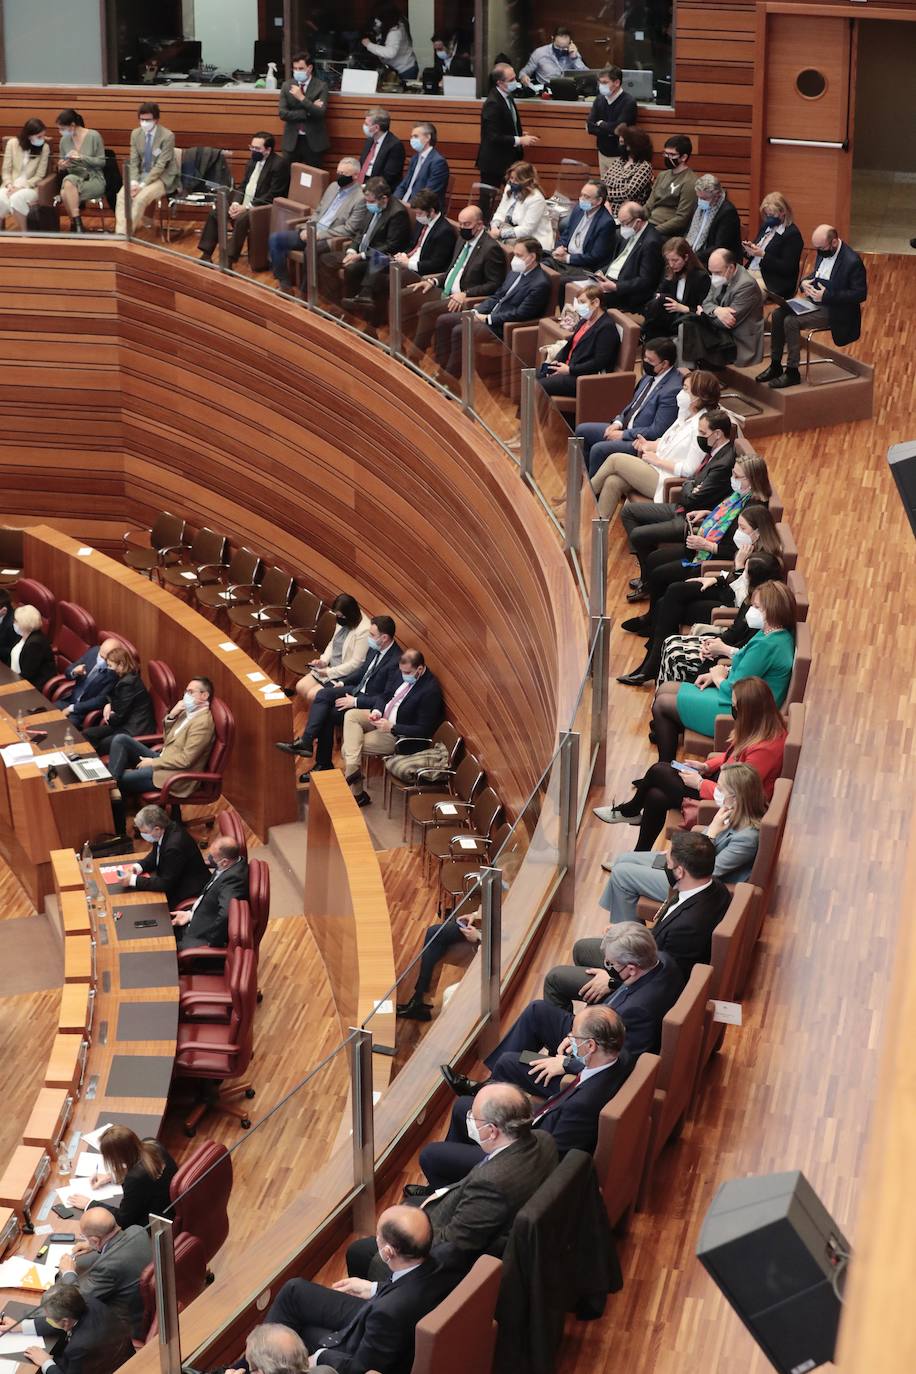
(523, 217)
(17, 654)
(678, 445)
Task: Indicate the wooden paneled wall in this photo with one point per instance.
(131, 380)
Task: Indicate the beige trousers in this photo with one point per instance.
(360, 734)
(153, 190)
(619, 474)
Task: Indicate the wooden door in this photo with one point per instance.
(809, 81)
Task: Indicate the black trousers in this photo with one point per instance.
(237, 230)
(99, 736)
(303, 153)
(705, 342)
(322, 717)
(649, 524)
(313, 1311)
(364, 1261)
(558, 384)
(437, 941)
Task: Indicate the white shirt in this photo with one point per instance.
(413, 257)
(16, 654)
(421, 158)
(395, 1275)
(588, 1073)
(470, 245)
(396, 50)
(613, 268)
(394, 705)
(824, 268)
(680, 896)
(373, 153)
(678, 445)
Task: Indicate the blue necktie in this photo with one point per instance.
(148, 152)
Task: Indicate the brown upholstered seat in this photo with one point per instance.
(459, 1336)
(217, 591)
(424, 809)
(446, 735)
(623, 1137)
(209, 551)
(729, 956)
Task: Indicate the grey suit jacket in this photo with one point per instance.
(350, 219)
(475, 1217)
(113, 1276)
(744, 296)
(165, 166)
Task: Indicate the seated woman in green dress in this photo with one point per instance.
(82, 165)
(768, 654)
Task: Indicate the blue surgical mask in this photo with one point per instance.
(150, 839)
(37, 142)
(513, 85)
(408, 677)
(373, 207)
(102, 662)
(703, 206)
(583, 309)
(604, 88)
(188, 702)
(301, 77)
(417, 145)
(585, 205)
(367, 131)
(373, 644)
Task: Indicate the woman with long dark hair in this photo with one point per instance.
(25, 164)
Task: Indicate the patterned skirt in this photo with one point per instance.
(681, 660)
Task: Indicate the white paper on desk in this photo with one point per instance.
(255, 677)
(10, 572)
(93, 1138)
(55, 1254)
(191, 577)
(16, 753)
(14, 1345)
(18, 1272)
(46, 760)
(276, 695)
(268, 687)
(86, 1164)
(104, 1194)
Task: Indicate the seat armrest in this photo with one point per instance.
(414, 739)
(706, 812)
(673, 488)
(171, 780)
(151, 740)
(724, 615)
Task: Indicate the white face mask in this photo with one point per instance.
(718, 280)
(718, 797)
(684, 402)
(738, 484)
(743, 540)
(754, 618)
(473, 1129)
(627, 231)
(146, 125)
(518, 264)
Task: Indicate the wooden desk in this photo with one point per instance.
(163, 626)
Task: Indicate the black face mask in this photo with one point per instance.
(344, 181)
(671, 160)
(341, 621)
(257, 155)
(828, 252)
(671, 876)
(703, 442)
(466, 234)
(649, 369)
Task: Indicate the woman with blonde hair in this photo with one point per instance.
(32, 657)
(774, 256)
(522, 213)
(143, 1169)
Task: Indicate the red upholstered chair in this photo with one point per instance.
(209, 780)
(163, 689)
(210, 958)
(28, 592)
(209, 1053)
(74, 634)
(202, 1211)
(210, 996)
(259, 897)
(122, 639)
(190, 1281)
(229, 824)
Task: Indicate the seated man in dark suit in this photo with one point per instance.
(430, 252)
(523, 296)
(357, 1324)
(475, 1216)
(414, 712)
(636, 265)
(367, 689)
(207, 921)
(92, 681)
(588, 237)
(382, 154)
(174, 865)
(836, 288)
(107, 1264)
(652, 410)
(388, 231)
(478, 268)
(715, 222)
(265, 177)
(589, 1067)
(89, 1337)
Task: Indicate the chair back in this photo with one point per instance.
(801, 667)
(259, 899)
(229, 823)
(163, 688)
(324, 630)
(122, 639)
(75, 633)
(305, 610)
(190, 1281)
(628, 330)
(795, 733)
(245, 568)
(789, 553)
(623, 1138)
(224, 727)
(469, 778)
(798, 588)
(772, 829)
(244, 990)
(460, 1334)
(168, 531)
(729, 957)
(239, 934)
(202, 1211)
(276, 588)
(306, 185)
(28, 592)
(208, 547)
(488, 811)
(453, 741)
(679, 1058)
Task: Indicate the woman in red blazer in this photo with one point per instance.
(758, 739)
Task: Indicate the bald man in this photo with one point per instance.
(92, 679)
(107, 1264)
(359, 1325)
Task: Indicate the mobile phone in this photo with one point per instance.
(65, 1213)
(145, 924)
(529, 1056)
(682, 767)
(61, 1237)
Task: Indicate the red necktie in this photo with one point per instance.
(367, 163)
(554, 1101)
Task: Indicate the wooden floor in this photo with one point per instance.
(793, 1087)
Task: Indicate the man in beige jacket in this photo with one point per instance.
(188, 733)
(154, 170)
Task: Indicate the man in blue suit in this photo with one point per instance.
(427, 169)
(652, 410)
(522, 296)
(589, 1067)
(93, 681)
(590, 232)
(836, 289)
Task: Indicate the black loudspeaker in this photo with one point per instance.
(902, 460)
(779, 1258)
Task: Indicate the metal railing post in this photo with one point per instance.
(526, 419)
(568, 817)
(491, 907)
(128, 204)
(467, 361)
(166, 1295)
(311, 262)
(395, 287)
(363, 1129)
(222, 221)
(575, 470)
(601, 629)
(597, 587)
